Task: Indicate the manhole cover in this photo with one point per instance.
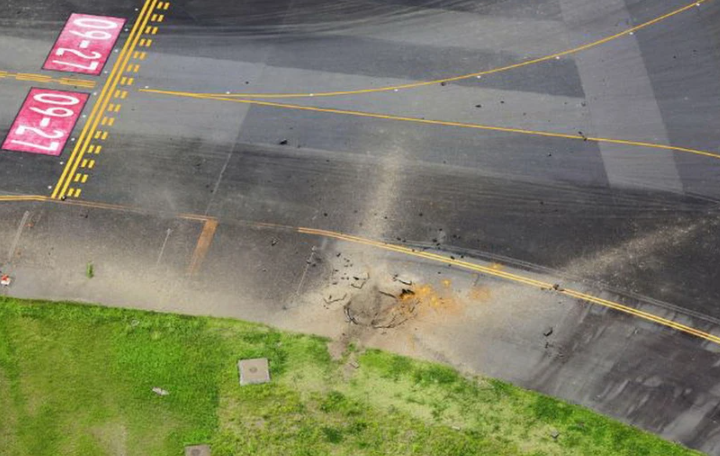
(254, 371)
(197, 450)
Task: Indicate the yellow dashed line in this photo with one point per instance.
(123, 95)
(84, 178)
(154, 17)
(129, 81)
(117, 108)
(111, 121)
(123, 80)
(97, 134)
(84, 163)
(91, 164)
(104, 135)
(98, 149)
(104, 121)
(161, 18)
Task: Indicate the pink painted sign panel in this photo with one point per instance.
(45, 121)
(85, 44)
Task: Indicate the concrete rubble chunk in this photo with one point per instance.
(330, 298)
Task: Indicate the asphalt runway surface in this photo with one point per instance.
(572, 142)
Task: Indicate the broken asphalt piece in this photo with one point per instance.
(403, 280)
(349, 316)
(548, 331)
(335, 298)
(159, 391)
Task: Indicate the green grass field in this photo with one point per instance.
(77, 380)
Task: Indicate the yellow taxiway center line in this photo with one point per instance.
(102, 101)
(479, 73)
(440, 122)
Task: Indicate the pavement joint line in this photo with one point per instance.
(557, 55)
(441, 122)
(102, 102)
(492, 270)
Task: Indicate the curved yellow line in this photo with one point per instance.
(470, 75)
(517, 278)
(440, 122)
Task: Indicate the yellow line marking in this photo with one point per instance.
(123, 80)
(102, 102)
(47, 79)
(149, 42)
(147, 29)
(202, 247)
(91, 164)
(98, 149)
(154, 18)
(142, 42)
(104, 121)
(97, 134)
(476, 74)
(111, 121)
(141, 56)
(154, 31)
(104, 135)
(77, 177)
(84, 163)
(130, 81)
(117, 108)
(77, 192)
(161, 18)
(111, 106)
(123, 95)
(71, 192)
(166, 5)
(211, 225)
(442, 122)
(84, 178)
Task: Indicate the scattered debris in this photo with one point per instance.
(160, 392)
(557, 287)
(89, 270)
(585, 138)
(283, 142)
(555, 434)
(274, 241)
(254, 371)
(5, 280)
(548, 331)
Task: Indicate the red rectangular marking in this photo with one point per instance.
(45, 121)
(85, 44)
